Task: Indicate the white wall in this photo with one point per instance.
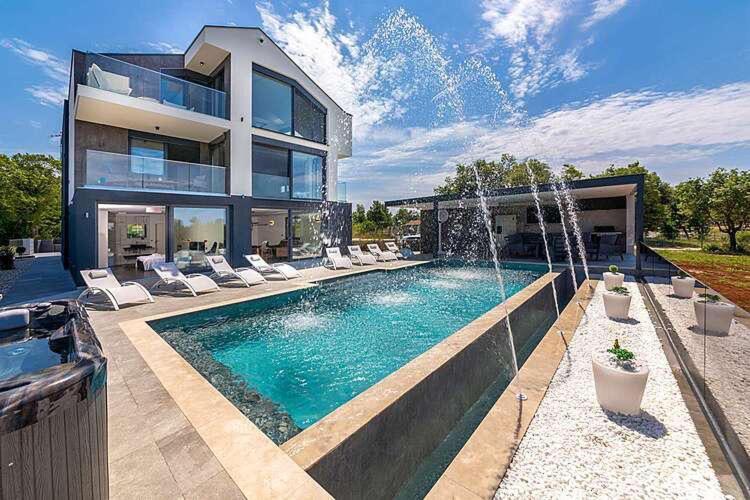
(245, 50)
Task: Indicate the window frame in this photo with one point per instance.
(290, 149)
(294, 87)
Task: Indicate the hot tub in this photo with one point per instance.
(53, 404)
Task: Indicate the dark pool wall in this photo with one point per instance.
(382, 455)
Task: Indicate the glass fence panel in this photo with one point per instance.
(120, 77)
(114, 170)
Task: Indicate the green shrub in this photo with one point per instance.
(613, 269)
(620, 353)
(620, 290)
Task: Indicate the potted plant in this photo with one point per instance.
(712, 314)
(613, 278)
(617, 302)
(683, 285)
(620, 380)
(7, 255)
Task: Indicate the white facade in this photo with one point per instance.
(248, 46)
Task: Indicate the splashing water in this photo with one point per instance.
(540, 217)
(568, 249)
(573, 215)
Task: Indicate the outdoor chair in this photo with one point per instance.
(335, 260)
(102, 281)
(392, 247)
(195, 283)
(260, 265)
(223, 270)
(359, 257)
(380, 254)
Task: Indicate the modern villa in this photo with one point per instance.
(229, 148)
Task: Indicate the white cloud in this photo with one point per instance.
(165, 47)
(528, 28)
(53, 66)
(47, 95)
(664, 130)
(602, 10)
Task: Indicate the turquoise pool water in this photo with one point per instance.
(290, 359)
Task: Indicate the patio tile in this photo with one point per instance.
(190, 460)
(142, 474)
(219, 487)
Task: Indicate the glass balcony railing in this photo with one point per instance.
(341, 192)
(117, 76)
(270, 186)
(119, 171)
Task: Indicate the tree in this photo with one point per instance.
(493, 175)
(656, 198)
(379, 215)
(359, 215)
(729, 202)
(692, 200)
(30, 199)
(571, 173)
(403, 216)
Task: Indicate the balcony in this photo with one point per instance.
(341, 195)
(124, 95)
(140, 173)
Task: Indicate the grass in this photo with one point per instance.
(727, 274)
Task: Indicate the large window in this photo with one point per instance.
(198, 233)
(287, 108)
(270, 172)
(272, 104)
(307, 176)
(307, 239)
(309, 119)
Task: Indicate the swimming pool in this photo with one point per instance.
(288, 360)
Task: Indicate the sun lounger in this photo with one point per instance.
(359, 257)
(391, 246)
(195, 283)
(336, 260)
(379, 254)
(102, 281)
(222, 269)
(263, 267)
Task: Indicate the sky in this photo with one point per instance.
(431, 83)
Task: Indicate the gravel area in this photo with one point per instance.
(574, 449)
(726, 372)
(7, 278)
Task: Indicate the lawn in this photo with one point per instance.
(727, 274)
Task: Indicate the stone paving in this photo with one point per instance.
(154, 451)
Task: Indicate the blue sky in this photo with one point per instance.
(592, 82)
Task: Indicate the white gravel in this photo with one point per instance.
(726, 371)
(573, 449)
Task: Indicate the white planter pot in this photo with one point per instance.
(683, 287)
(617, 389)
(616, 306)
(612, 280)
(715, 317)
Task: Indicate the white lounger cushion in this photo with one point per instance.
(391, 246)
(13, 319)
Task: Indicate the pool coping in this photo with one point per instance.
(258, 467)
(480, 466)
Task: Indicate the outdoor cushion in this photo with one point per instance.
(97, 274)
(13, 319)
(217, 260)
